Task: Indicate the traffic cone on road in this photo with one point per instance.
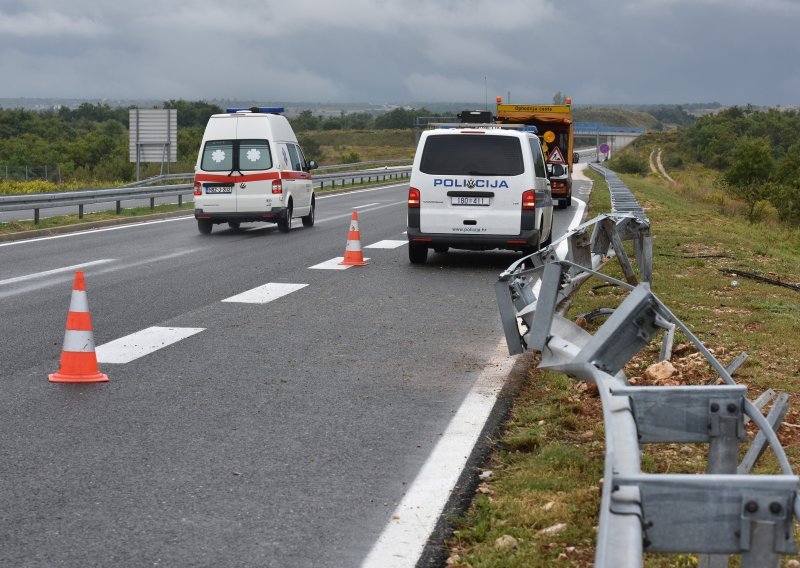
(352, 252)
(78, 358)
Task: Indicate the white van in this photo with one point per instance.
(251, 168)
(478, 187)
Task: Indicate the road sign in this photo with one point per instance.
(604, 148)
(556, 157)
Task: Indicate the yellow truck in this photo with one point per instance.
(555, 129)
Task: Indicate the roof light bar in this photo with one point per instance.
(263, 110)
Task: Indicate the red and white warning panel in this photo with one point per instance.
(556, 157)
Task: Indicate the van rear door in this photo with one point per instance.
(217, 158)
(471, 183)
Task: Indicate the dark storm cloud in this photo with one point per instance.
(649, 51)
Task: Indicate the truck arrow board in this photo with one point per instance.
(556, 157)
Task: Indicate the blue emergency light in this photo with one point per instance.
(263, 110)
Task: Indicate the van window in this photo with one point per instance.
(538, 159)
(303, 164)
(295, 161)
(217, 156)
(254, 155)
(473, 155)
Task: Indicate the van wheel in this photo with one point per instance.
(569, 201)
(234, 225)
(549, 240)
(205, 226)
(308, 220)
(285, 224)
(417, 254)
(562, 203)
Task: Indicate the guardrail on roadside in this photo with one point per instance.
(724, 511)
(139, 190)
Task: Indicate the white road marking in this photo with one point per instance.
(403, 539)
(350, 214)
(55, 271)
(94, 231)
(332, 264)
(266, 293)
(136, 345)
(367, 205)
(367, 190)
(387, 244)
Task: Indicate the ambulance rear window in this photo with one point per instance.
(236, 155)
(217, 156)
(472, 155)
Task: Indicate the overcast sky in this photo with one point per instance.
(612, 51)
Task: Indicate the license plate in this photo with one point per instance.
(210, 189)
(465, 200)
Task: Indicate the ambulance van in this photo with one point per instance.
(250, 168)
(478, 187)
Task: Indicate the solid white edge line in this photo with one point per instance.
(94, 231)
(55, 271)
(403, 540)
(143, 342)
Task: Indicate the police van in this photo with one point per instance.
(250, 168)
(478, 187)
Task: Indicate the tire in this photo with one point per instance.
(569, 200)
(562, 203)
(441, 249)
(285, 224)
(234, 225)
(205, 226)
(549, 240)
(308, 220)
(417, 254)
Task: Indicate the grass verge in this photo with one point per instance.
(539, 505)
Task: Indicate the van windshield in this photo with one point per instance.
(472, 155)
(236, 155)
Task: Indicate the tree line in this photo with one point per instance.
(757, 152)
(91, 141)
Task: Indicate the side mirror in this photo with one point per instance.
(312, 165)
(576, 157)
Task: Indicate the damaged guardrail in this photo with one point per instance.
(724, 511)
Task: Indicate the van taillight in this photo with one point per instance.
(528, 200)
(277, 186)
(413, 197)
(198, 188)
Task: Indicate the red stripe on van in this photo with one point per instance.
(236, 179)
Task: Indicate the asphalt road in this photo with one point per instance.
(281, 434)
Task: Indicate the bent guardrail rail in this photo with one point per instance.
(724, 511)
(139, 190)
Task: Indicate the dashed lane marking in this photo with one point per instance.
(332, 264)
(136, 345)
(387, 244)
(266, 293)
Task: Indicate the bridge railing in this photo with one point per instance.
(724, 511)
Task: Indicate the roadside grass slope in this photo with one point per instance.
(539, 506)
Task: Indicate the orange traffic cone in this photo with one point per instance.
(78, 359)
(352, 252)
